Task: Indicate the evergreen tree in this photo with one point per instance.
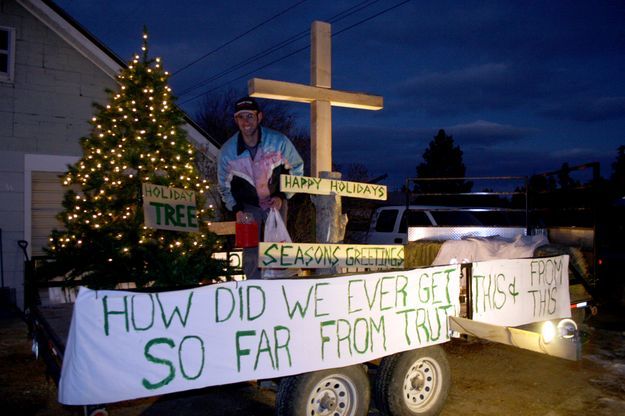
(618, 172)
(442, 159)
(137, 137)
(564, 178)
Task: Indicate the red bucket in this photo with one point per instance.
(246, 235)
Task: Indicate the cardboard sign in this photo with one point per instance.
(169, 208)
(317, 255)
(125, 345)
(319, 186)
(520, 291)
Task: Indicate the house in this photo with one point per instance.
(51, 71)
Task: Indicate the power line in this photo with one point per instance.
(246, 74)
(388, 9)
(237, 37)
(274, 48)
(243, 63)
(303, 34)
(348, 12)
(371, 17)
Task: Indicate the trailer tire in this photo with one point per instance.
(334, 392)
(95, 410)
(413, 383)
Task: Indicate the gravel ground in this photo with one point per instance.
(487, 379)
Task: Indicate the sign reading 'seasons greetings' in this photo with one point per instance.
(144, 344)
(319, 186)
(169, 208)
(319, 255)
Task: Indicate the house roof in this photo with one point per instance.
(60, 22)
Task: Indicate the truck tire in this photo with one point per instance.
(413, 382)
(334, 392)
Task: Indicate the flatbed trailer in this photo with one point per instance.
(49, 327)
(410, 382)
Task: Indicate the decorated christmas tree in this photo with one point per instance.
(136, 139)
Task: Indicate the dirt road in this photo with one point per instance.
(488, 379)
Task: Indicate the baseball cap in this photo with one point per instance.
(246, 104)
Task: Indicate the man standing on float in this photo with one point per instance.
(249, 168)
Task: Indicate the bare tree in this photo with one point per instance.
(216, 118)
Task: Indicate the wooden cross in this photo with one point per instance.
(319, 94)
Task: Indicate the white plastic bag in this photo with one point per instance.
(276, 232)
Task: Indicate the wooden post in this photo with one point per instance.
(330, 221)
(321, 109)
(319, 95)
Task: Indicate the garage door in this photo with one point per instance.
(47, 195)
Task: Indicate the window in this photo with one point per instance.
(7, 53)
(386, 221)
(450, 218)
(413, 219)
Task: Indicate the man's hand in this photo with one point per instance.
(276, 202)
(240, 216)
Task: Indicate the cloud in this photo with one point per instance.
(492, 86)
(489, 149)
(486, 132)
(395, 151)
(588, 110)
(525, 161)
(586, 154)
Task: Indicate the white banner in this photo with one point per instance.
(319, 186)
(317, 255)
(126, 345)
(521, 291)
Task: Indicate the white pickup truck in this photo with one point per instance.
(391, 224)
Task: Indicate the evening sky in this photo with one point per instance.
(522, 86)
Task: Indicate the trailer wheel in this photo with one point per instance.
(334, 392)
(413, 382)
(95, 410)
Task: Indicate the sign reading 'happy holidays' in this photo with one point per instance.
(319, 186)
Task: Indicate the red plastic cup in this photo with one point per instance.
(246, 235)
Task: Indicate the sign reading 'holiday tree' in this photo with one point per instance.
(167, 208)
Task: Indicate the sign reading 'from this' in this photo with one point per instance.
(539, 287)
(317, 255)
(169, 208)
(319, 186)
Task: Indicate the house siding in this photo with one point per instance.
(44, 111)
(53, 90)
(12, 220)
